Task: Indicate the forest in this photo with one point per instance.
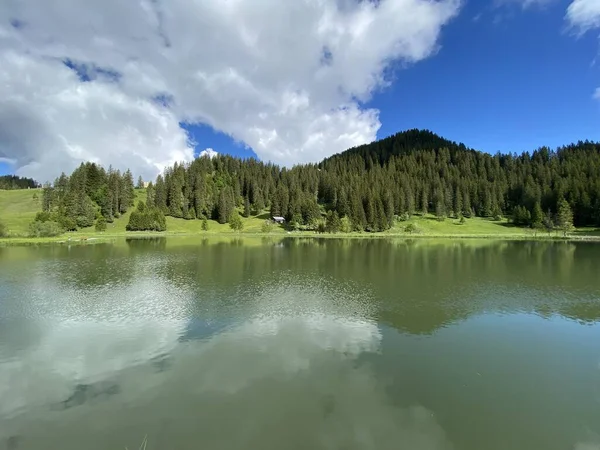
(365, 188)
(9, 182)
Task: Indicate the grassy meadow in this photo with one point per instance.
(19, 207)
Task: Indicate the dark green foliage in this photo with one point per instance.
(3, 230)
(333, 224)
(204, 224)
(246, 207)
(537, 216)
(235, 221)
(548, 222)
(140, 183)
(76, 201)
(10, 182)
(45, 229)
(521, 216)
(100, 224)
(370, 185)
(564, 217)
(144, 218)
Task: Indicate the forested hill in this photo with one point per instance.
(403, 143)
(15, 182)
(365, 188)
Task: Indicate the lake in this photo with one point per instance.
(301, 344)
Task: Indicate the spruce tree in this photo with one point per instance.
(564, 217)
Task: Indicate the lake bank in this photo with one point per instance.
(79, 238)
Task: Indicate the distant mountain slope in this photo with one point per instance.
(402, 143)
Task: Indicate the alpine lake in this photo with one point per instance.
(273, 344)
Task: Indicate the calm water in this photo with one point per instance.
(300, 344)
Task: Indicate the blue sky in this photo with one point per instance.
(506, 77)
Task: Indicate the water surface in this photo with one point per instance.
(301, 344)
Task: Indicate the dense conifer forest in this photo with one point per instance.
(363, 189)
(14, 182)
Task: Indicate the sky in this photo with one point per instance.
(145, 83)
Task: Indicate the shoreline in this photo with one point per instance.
(100, 238)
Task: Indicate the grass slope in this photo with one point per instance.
(18, 209)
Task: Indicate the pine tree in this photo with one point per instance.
(246, 207)
(564, 217)
(160, 194)
(333, 222)
(537, 216)
(424, 203)
(140, 183)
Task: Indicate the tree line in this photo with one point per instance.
(368, 187)
(91, 195)
(10, 182)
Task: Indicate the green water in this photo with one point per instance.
(301, 344)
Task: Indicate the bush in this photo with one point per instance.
(67, 223)
(146, 219)
(204, 224)
(45, 229)
(411, 228)
(235, 221)
(345, 225)
(100, 224)
(267, 226)
(404, 217)
(3, 230)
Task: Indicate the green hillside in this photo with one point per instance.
(18, 209)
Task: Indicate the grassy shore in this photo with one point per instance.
(18, 209)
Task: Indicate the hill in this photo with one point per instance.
(402, 143)
(412, 178)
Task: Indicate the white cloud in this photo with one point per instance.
(597, 94)
(285, 78)
(208, 152)
(583, 15)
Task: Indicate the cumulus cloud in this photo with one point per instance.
(583, 15)
(110, 81)
(208, 152)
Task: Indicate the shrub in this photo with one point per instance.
(235, 221)
(345, 225)
(146, 219)
(404, 217)
(45, 229)
(267, 226)
(411, 228)
(204, 224)
(3, 230)
(67, 223)
(100, 224)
